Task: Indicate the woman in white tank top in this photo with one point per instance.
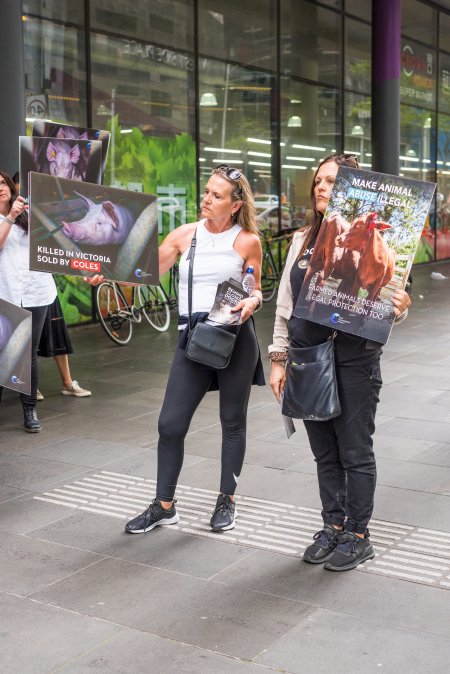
(227, 243)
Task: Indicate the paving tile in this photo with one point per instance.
(164, 548)
(417, 428)
(28, 565)
(9, 493)
(355, 640)
(24, 513)
(391, 447)
(362, 594)
(197, 612)
(437, 454)
(147, 653)
(413, 475)
(84, 451)
(33, 473)
(37, 639)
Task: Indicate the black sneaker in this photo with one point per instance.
(31, 421)
(350, 551)
(224, 515)
(325, 542)
(154, 516)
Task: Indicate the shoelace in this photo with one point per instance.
(322, 537)
(223, 507)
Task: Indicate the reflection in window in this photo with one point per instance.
(358, 128)
(419, 21)
(444, 31)
(311, 43)
(358, 57)
(165, 22)
(60, 10)
(363, 10)
(235, 122)
(244, 32)
(305, 144)
(146, 98)
(444, 83)
(443, 189)
(55, 72)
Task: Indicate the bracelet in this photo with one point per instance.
(259, 305)
(278, 356)
(11, 222)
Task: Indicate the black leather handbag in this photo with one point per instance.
(310, 391)
(207, 344)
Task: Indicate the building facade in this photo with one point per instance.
(269, 86)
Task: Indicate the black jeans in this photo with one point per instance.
(38, 315)
(187, 385)
(343, 448)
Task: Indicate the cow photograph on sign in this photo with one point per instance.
(364, 252)
(66, 158)
(15, 347)
(83, 229)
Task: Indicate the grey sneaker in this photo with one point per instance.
(351, 550)
(224, 515)
(325, 541)
(154, 516)
(74, 389)
(39, 395)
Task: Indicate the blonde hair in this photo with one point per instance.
(245, 216)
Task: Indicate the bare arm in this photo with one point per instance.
(250, 249)
(5, 225)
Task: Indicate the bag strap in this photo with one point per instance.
(190, 257)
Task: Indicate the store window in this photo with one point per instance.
(417, 161)
(358, 128)
(311, 42)
(419, 21)
(71, 11)
(444, 82)
(148, 106)
(236, 125)
(363, 10)
(418, 74)
(165, 22)
(55, 72)
(443, 189)
(358, 57)
(244, 32)
(444, 31)
(310, 130)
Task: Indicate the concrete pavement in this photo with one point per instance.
(78, 595)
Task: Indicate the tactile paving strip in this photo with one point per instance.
(402, 551)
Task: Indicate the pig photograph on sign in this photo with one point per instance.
(364, 252)
(44, 129)
(72, 159)
(15, 347)
(83, 229)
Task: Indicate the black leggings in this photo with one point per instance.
(38, 315)
(187, 385)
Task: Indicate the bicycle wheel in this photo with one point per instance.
(268, 279)
(109, 305)
(155, 306)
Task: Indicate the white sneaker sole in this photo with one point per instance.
(77, 395)
(162, 523)
(227, 528)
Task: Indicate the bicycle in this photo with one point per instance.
(271, 271)
(117, 316)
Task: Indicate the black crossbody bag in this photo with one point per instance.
(310, 391)
(207, 344)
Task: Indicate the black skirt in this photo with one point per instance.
(55, 340)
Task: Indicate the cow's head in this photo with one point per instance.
(360, 231)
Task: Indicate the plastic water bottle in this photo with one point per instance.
(249, 282)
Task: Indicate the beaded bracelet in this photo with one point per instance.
(278, 356)
(11, 222)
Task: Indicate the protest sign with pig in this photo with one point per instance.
(84, 229)
(73, 159)
(44, 129)
(15, 347)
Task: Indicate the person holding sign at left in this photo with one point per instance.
(32, 290)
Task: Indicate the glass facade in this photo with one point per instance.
(271, 86)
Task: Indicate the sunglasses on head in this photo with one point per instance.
(230, 172)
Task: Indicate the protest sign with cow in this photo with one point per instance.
(364, 251)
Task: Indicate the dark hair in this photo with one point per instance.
(16, 178)
(345, 159)
(22, 219)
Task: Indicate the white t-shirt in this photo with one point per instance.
(18, 284)
(215, 260)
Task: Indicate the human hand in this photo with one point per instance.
(277, 379)
(401, 301)
(19, 206)
(247, 306)
(94, 280)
